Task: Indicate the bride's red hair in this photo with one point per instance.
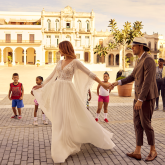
(67, 48)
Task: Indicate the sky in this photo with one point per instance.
(150, 12)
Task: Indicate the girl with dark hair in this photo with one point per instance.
(64, 103)
(103, 98)
(39, 81)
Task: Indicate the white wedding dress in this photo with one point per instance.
(63, 102)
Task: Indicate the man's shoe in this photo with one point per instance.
(163, 109)
(106, 120)
(156, 109)
(151, 157)
(96, 119)
(135, 156)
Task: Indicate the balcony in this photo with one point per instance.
(22, 27)
(23, 42)
(154, 50)
(52, 30)
(51, 46)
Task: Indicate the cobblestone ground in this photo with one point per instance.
(22, 143)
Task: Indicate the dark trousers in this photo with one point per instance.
(160, 86)
(142, 122)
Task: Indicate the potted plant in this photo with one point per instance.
(38, 63)
(9, 61)
(124, 90)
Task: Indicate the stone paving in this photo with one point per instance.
(21, 143)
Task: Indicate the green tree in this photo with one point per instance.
(100, 50)
(126, 35)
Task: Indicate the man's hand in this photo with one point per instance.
(138, 105)
(21, 98)
(115, 84)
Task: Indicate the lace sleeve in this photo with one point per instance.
(50, 76)
(85, 70)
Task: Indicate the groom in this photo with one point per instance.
(145, 94)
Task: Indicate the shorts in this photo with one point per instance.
(104, 99)
(17, 103)
(35, 101)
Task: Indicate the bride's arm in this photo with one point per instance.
(91, 74)
(47, 79)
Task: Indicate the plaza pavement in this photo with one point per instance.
(21, 143)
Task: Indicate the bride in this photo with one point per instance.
(63, 102)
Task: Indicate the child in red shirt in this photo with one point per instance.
(16, 93)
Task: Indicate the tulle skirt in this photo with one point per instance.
(72, 123)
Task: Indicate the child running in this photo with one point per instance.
(103, 98)
(16, 93)
(39, 81)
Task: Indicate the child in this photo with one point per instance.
(88, 94)
(39, 80)
(103, 98)
(16, 93)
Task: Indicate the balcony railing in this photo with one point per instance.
(51, 46)
(20, 42)
(52, 30)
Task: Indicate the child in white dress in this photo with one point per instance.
(39, 81)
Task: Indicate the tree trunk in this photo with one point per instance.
(124, 58)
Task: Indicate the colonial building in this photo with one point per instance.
(32, 36)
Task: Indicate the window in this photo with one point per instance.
(49, 24)
(68, 25)
(56, 25)
(8, 38)
(155, 57)
(149, 45)
(78, 43)
(56, 41)
(79, 24)
(19, 38)
(101, 42)
(34, 51)
(48, 40)
(68, 38)
(87, 41)
(31, 38)
(87, 25)
(155, 46)
(78, 56)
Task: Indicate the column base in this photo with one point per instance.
(2, 63)
(13, 63)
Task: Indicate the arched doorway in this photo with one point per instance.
(130, 57)
(117, 59)
(19, 55)
(111, 59)
(57, 57)
(86, 57)
(7, 52)
(100, 59)
(31, 56)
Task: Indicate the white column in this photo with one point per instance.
(2, 59)
(13, 57)
(24, 56)
(114, 60)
